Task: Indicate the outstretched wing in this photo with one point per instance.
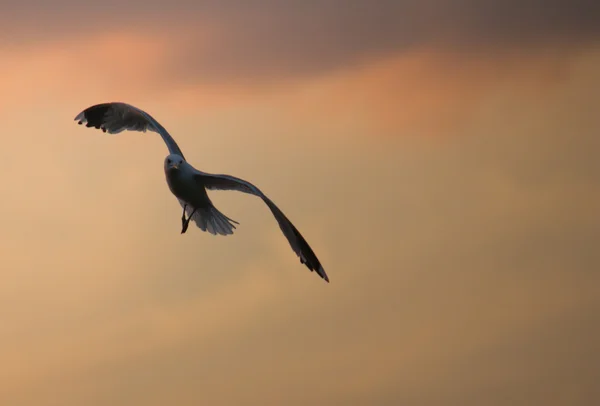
(116, 117)
(297, 242)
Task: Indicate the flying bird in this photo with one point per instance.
(189, 185)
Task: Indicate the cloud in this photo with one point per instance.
(299, 40)
(268, 40)
(393, 96)
(463, 268)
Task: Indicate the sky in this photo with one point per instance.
(439, 156)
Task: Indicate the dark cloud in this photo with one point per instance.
(266, 38)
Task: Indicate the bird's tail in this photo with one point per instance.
(212, 220)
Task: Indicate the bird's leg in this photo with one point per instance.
(183, 216)
(186, 222)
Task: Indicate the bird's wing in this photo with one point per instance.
(116, 117)
(297, 242)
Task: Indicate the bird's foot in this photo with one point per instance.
(184, 227)
(186, 222)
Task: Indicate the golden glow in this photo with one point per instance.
(463, 266)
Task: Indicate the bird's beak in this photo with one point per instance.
(175, 166)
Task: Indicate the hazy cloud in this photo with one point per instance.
(266, 39)
(463, 266)
(464, 269)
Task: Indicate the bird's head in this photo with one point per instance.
(173, 162)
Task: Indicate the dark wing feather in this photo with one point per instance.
(116, 117)
(297, 242)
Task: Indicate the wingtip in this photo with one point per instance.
(322, 274)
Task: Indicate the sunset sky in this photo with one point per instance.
(440, 156)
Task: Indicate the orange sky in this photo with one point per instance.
(447, 184)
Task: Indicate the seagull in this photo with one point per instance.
(189, 185)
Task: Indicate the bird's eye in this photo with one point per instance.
(168, 161)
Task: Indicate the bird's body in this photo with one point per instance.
(184, 186)
(186, 183)
(190, 185)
